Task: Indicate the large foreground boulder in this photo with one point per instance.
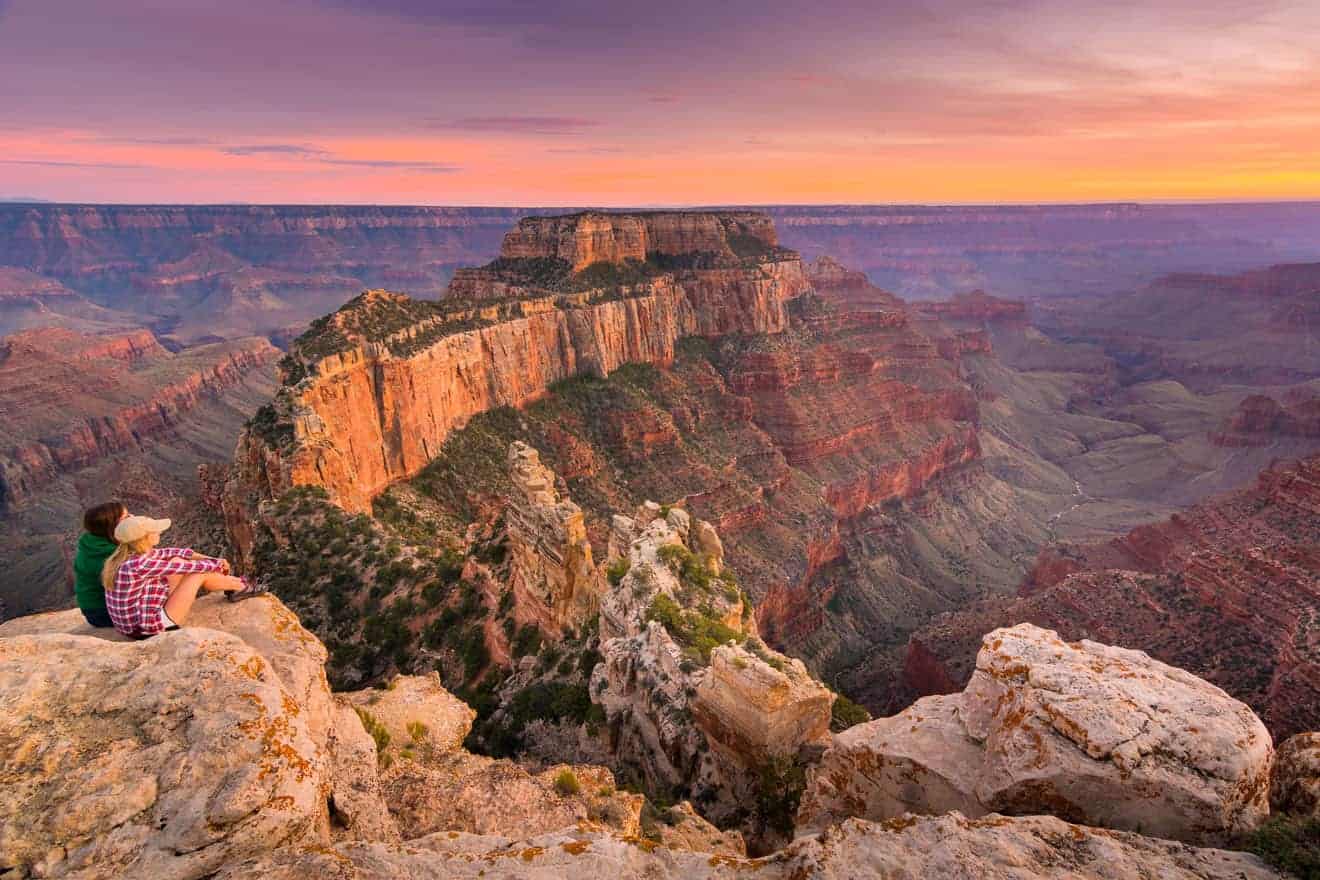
(1295, 779)
(915, 848)
(166, 758)
(1087, 732)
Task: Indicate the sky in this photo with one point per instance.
(535, 102)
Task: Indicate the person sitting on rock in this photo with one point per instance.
(150, 589)
(95, 545)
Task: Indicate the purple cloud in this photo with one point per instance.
(273, 150)
(56, 163)
(518, 124)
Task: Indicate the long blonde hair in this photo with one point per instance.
(122, 554)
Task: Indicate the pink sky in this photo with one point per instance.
(628, 103)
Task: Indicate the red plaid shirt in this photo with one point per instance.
(140, 588)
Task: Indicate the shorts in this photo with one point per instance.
(165, 622)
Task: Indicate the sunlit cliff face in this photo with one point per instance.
(638, 103)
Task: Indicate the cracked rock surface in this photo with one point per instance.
(914, 848)
(1092, 733)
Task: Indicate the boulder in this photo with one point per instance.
(913, 848)
(165, 758)
(1090, 733)
(357, 805)
(1295, 778)
(416, 712)
(463, 792)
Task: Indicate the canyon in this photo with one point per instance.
(193, 272)
(641, 503)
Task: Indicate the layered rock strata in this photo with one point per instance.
(552, 572)
(1227, 589)
(386, 381)
(1099, 735)
(76, 398)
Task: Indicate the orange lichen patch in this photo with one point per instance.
(532, 852)
(718, 861)
(575, 847)
(641, 843)
(283, 802)
(276, 748)
(453, 835)
(900, 823)
(291, 706)
(254, 668)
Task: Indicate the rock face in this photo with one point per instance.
(1260, 420)
(915, 848)
(583, 239)
(975, 306)
(388, 379)
(1095, 734)
(691, 696)
(165, 758)
(552, 571)
(76, 398)
(1295, 779)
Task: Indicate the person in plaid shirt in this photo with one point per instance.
(149, 589)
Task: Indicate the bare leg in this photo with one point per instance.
(184, 589)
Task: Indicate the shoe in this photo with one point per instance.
(250, 590)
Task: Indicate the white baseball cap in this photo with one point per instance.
(135, 528)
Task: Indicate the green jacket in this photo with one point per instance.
(93, 551)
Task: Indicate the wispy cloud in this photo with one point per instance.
(319, 156)
(518, 124)
(395, 164)
(274, 150)
(60, 163)
(149, 141)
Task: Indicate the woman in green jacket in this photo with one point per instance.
(95, 545)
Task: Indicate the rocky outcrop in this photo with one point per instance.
(386, 380)
(554, 578)
(217, 752)
(77, 398)
(166, 758)
(977, 306)
(690, 694)
(1260, 420)
(1091, 733)
(583, 239)
(1295, 779)
(991, 848)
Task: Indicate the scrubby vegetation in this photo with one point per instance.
(566, 782)
(845, 713)
(377, 731)
(1289, 843)
(780, 783)
(696, 633)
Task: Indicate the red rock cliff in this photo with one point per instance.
(390, 378)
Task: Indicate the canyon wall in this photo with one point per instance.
(77, 399)
(376, 409)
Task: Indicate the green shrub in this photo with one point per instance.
(566, 783)
(1288, 843)
(780, 783)
(617, 569)
(527, 641)
(377, 731)
(697, 633)
(417, 730)
(845, 713)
